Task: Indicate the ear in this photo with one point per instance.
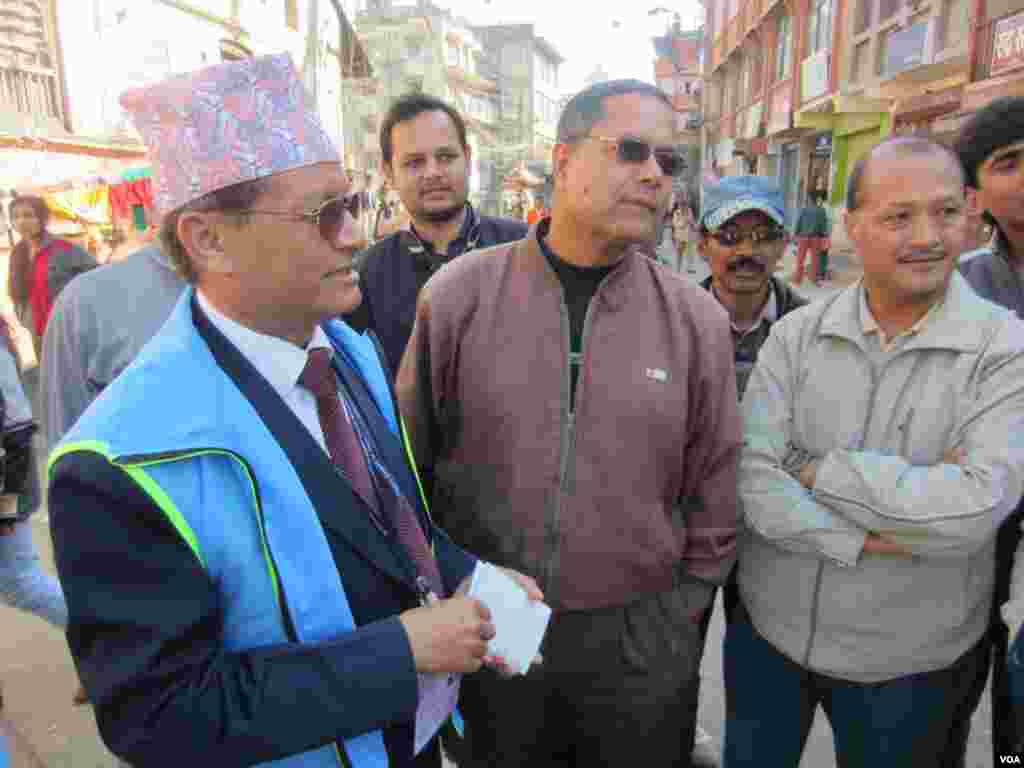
(469, 157)
(202, 235)
(560, 159)
(851, 223)
(389, 175)
(974, 201)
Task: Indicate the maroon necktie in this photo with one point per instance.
(339, 434)
(346, 452)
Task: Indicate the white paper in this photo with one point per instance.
(519, 622)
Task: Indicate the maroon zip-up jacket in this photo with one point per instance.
(635, 492)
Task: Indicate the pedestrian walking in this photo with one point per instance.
(251, 574)
(682, 225)
(427, 160)
(41, 264)
(23, 582)
(812, 238)
(575, 405)
(882, 452)
(991, 150)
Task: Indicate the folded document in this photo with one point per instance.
(519, 622)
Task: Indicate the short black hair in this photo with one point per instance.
(586, 108)
(235, 199)
(910, 145)
(410, 106)
(998, 124)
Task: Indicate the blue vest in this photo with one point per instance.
(214, 449)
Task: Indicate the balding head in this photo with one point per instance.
(892, 148)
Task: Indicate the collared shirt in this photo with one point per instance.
(280, 362)
(870, 325)
(769, 313)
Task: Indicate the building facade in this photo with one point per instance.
(526, 69)
(677, 71)
(416, 46)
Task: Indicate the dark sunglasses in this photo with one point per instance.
(636, 151)
(730, 238)
(329, 216)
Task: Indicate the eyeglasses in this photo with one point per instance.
(329, 216)
(636, 151)
(730, 238)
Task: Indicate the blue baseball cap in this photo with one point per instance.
(733, 195)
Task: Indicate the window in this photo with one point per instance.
(783, 44)
(819, 30)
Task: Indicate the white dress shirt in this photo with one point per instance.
(280, 362)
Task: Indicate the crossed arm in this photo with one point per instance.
(866, 502)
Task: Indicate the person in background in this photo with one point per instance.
(536, 212)
(812, 237)
(742, 238)
(682, 225)
(427, 161)
(41, 265)
(884, 447)
(97, 327)
(575, 403)
(991, 151)
(23, 582)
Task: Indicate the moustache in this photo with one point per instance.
(931, 254)
(745, 262)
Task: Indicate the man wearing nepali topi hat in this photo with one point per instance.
(251, 570)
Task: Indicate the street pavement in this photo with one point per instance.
(38, 678)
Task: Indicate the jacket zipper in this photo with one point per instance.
(566, 475)
(815, 602)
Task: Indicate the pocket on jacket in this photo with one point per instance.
(658, 634)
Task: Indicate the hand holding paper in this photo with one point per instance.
(519, 622)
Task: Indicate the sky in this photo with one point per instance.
(616, 36)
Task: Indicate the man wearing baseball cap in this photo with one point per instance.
(742, 238)
(251, 570)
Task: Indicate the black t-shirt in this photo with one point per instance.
(579, 284)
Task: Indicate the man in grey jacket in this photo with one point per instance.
(884, 447)
(97, 327)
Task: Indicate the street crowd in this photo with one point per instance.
(276, 457)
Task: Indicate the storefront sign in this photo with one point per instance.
(1008, 44)
(905, 49)
(814, 76)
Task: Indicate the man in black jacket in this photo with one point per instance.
(427, 161)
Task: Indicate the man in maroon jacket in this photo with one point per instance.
(575, 405)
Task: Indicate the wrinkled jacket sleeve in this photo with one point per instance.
(421, 383)
(713, 515)
(146, 630)
(945, 509)
(71, 262)
(776, 506)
